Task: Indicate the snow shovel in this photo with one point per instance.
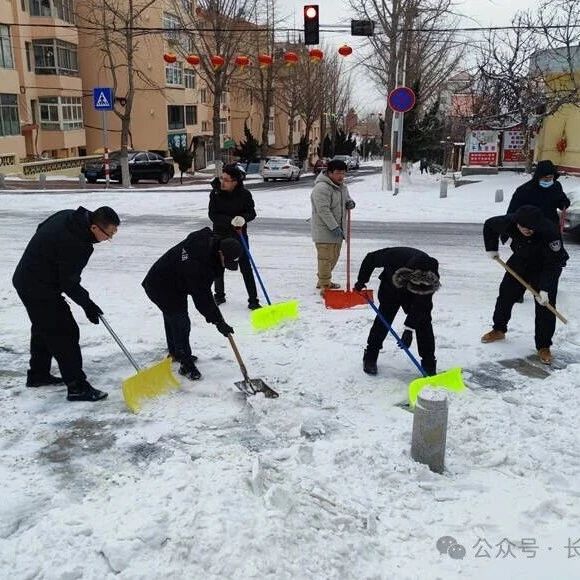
(147, 383)
(528, 287)
(250, 386)
(450, 380)
(338, 299)
(268, 316)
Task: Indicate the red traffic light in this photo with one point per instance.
(311, 11)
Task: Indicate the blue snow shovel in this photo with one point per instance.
(268, 316)
(450, 380)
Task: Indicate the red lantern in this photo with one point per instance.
(290, 58)
(193, 59)
(169, 57)
(315, 54)
(242, 61)
(345, 50)
(561, 145)
(217, 61)
(265, 60)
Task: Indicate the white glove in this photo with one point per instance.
(543, 298)
(493, 254)
(238, 222)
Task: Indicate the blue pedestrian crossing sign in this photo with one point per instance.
(103, 98)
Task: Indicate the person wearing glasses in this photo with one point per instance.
(231, 207)
(51, 266)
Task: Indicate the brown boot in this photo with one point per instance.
(493, 336)
(545, 355)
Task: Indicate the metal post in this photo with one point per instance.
(2, 181)
(106, 150)
(443, 187)
(498, 195)
(399, 143)
(42, 180)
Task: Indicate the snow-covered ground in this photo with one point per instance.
(318, 484)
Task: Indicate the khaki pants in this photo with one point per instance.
(328, 255)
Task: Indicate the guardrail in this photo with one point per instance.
(48, 165)
(7, 159)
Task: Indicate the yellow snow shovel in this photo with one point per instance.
(149, 382)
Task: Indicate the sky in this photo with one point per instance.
(367, 97)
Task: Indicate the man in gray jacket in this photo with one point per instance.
(330, 202)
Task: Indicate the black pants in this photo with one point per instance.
(390, 300)
(247, 274)
(54, 333)
(510, 291)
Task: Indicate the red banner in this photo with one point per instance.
(482, 158)
(513, 155)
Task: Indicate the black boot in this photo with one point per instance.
(219, 298)
(189, 370)
(370, 361)
(33, 380)
(254, 304)
(177, 358)
(429, 366)
(81, 390)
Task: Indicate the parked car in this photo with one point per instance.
(142, 165)
(572, 217)
(320, 165)
(279, 168)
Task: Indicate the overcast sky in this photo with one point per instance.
(476, 12)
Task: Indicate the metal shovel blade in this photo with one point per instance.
(253, 386)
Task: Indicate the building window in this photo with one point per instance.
(203, 96)
(6, 60)
(64, 10)
(61, 113)
(175, 117)
(9, 123)
(223, 126)
(271, 125)
(190, 115)
(206, 126)
(40, 8)
(174, 73)
(189, 78)
(29, 55)
(55, 57)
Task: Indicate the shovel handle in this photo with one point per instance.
(239, 358)
(118, 341)
(528, 287)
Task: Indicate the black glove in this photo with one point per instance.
(358, 286)
(407, 337)
(224, 328)
(350, 204)
(215, 183)
(338, 232)
(92, 312)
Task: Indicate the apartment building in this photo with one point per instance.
(40, 84)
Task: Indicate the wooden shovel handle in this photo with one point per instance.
(238, 357)
(528, 287)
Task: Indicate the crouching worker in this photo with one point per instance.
(409, 279)
(538, 257)
(189, 269)
(51, 266)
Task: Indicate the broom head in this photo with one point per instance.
(450, 380)
(273, 314)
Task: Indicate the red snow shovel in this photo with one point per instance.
(339, 299)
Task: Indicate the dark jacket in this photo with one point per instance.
(55, 257)
(393, 261)
(543, 251)
(190, 267)
(225, 205)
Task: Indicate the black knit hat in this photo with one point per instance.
(234, 172)
(232, 250)
(529, 216)
(545, 167)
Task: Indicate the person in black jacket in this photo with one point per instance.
(409, 279)
(543, 191)
(189, 268)
(538, 257)
(231, 207)
(50, 266)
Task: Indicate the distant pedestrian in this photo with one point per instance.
(423, 165)
(51, 266)
(330, 202)
(189, 269)
(538, 257)
(231, 207)
(409, 279)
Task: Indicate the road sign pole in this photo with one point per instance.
(106, 150)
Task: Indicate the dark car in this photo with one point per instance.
(142, 165)
(320, 165)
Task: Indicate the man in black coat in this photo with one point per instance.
(543, 191)
(231, 207)
(409, 279)
(538, 257)
(50, 267)
(189, 269)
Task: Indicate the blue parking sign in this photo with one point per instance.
(103, 98)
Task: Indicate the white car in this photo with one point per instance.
(280, 169)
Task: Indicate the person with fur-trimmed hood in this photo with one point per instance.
(538, 257)
(409, 279)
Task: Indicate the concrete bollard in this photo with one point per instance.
(82, 180)
(443, 187)
(498, 195)
(42, 181)
(2, 181)
(430, 429)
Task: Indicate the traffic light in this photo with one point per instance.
(311, 24)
